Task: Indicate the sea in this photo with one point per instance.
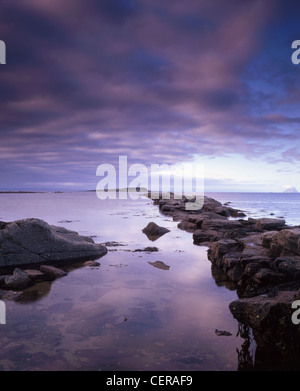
(129, 314)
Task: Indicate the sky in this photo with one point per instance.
(157, 81)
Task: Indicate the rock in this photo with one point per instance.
(267, 237)
(210, 204)
(18, 280)
(159, 265)
(228, 211)
(269, 223)
(221, 224)
(11, 295)
(53, 271)
(288, 266)
(153, 231)
(33, 241)
(266, 276)
(222, 210)
(147, 249)
(251, 220)
(236, 213)
(2, 280)
(198, 219)
(205, 236)
(187, 226)
(234, 274)
(221, 247)
(285, 243)
(113, 244)
(262, 311)
(91, 263)
(34, 274)
(222, 332)
(230, 260)
(260, 259)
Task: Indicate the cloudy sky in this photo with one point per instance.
(158, 81)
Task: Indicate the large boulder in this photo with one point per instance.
(33, 241)
(269, 224)
(269, 317)
(285, 242)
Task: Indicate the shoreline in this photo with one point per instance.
(260, 259)
(254, 257)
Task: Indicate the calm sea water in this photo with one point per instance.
(286, 205)
(126, 314)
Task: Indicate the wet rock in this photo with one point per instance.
(205, 236)
(259, 258)
(285, 242)
(2, 280)
(10, 295)
(288, 266)
(229, 212)
(53, 271)
(267, 237)
(154, 231)
(267, 276)
(269, 224)
(218, 249)
(34, 274)
(199, 218)
(187, 226)
(18, 280)
(159, 265)
(147, 249)
(222, 332)
(113, 244)
(220, 224)
(33, 241)
(236, 213)
(91, 263)
(270, 315)
(235, 273)
(210, 204)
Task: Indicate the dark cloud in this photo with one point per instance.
(158, 81)
(222, 99)
(117, 11)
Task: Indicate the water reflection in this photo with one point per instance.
(171, 304)
(245, 354)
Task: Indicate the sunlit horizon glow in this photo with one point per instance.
(159, 82)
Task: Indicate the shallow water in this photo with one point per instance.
(125, 314)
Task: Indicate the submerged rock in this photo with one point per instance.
(53, 271)
(159, 265)
(147, 249)
(11, 295)
(222, 332)
(35, 274)
(33, 241)
(91, 263)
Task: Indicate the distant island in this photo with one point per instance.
(291, 190)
